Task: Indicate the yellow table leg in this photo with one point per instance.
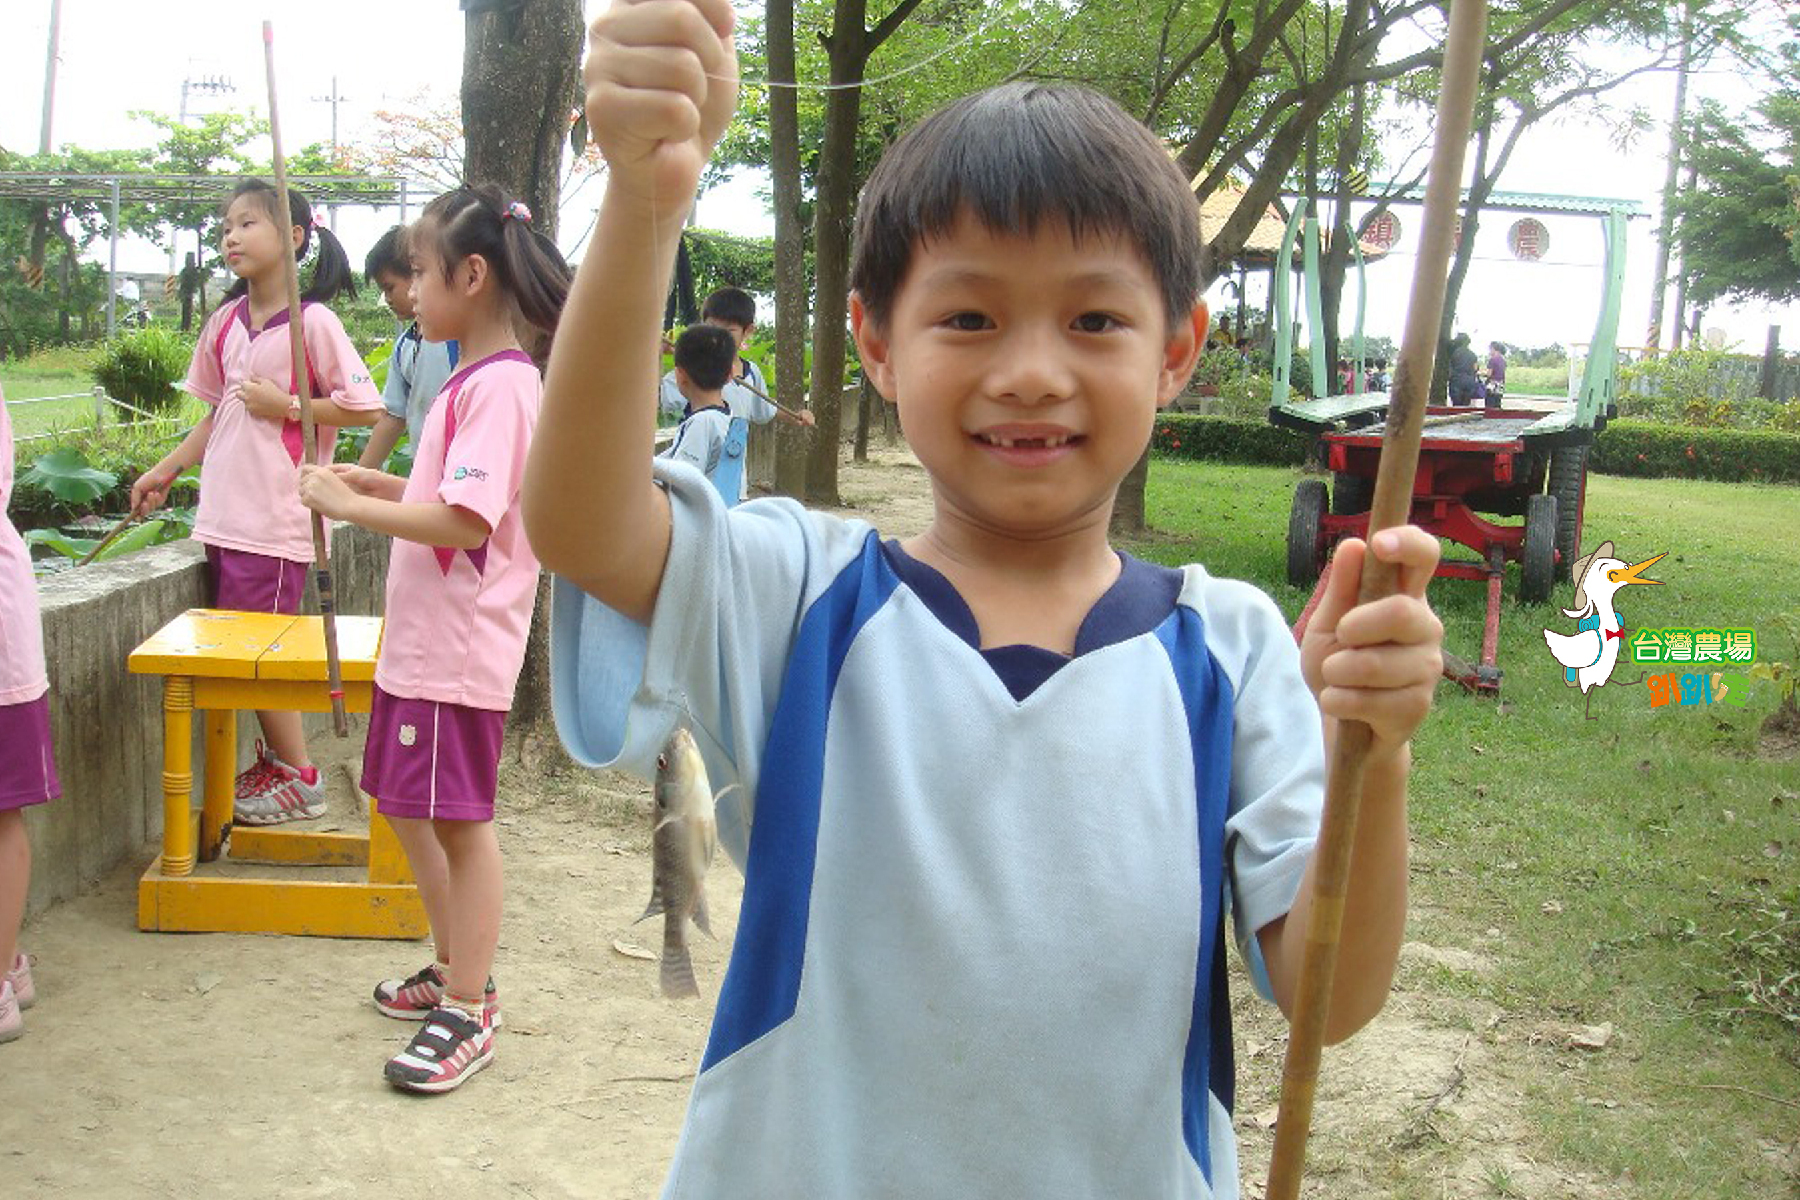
(221, 779)
(387, 857)
(178, 775)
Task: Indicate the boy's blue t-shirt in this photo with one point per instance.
(981, 950)
(417, 372)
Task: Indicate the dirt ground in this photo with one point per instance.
(214, 1065)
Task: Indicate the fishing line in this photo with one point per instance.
(867, 81)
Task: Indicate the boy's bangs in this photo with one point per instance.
(1017, 158)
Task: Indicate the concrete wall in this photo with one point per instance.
(107, 723)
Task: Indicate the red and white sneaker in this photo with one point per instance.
(12, 1025)
(449, 1047)
(414, 998)
(253, 778)
(285, 795)
(19, 976)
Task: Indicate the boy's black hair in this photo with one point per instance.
(482, 219)
(706, 353)
(388, 254)
(730, 304)
(332, 274)
(1017, 156)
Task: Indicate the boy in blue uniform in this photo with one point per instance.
(711, 439)
(417, 369)
(1000, 786)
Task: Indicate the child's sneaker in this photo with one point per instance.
(19, 976)
(413, 998)
(285, 795)
(253, 778)
(12, 1025)
(450, 1047)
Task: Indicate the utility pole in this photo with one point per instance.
(50, 76)
(334, 99)
(217, 85)
(1659, 278)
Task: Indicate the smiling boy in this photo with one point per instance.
(1000, 786)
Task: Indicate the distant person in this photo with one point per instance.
(1378, 376)
(1465, 384)
(27, 767)
(257, 534)
(710, 438)
(1496, 374)
(417, 368)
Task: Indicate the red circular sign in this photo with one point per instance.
(1528, 239)
(1384, 232)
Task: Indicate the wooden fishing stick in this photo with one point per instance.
(1392, 506)
(104, 542)
(764, 396)
(303, 388)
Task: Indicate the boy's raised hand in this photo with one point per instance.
(1379, 662)
(661, 80)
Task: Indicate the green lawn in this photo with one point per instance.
(1663, 841)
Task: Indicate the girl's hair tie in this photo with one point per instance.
(318, 221)
(518, 212)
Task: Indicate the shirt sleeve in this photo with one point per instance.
(399, 378)
(735, 589)
(484, 464)
(343, 378)
(699, 441)
(206, 376)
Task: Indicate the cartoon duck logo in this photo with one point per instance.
(1590, 653)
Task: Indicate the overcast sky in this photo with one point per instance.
(116, 57)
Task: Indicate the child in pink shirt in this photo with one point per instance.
(27, 769)
(258, 538)
(461, 586)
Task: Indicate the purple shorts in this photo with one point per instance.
(246, 582)
(432, 761)
(27, 768)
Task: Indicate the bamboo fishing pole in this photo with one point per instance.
(744, 382)
(1392, 506)
(303, 391)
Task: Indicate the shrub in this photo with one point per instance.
(1735, 455)
(1227, 439)
(142, 367)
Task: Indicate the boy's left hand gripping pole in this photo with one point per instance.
(303, 388)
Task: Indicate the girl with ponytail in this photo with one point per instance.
(461, 585)
(258, 536)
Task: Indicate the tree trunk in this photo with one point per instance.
(791, 316)
(520, 66)
(836, 175)
(1128, 519)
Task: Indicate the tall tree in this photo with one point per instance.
(791, 315)
(1738, 228)
(521, 63)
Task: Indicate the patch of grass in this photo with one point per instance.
(1623, 860)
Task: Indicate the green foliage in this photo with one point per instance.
(1739, 227)
(1650, 450)
(169, 525)
(723, 259)
(142, 367)
(1662, 387)
(66, 477)
(1226, 439)
(121, 451)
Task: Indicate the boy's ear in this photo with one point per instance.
(1187, 338)
(872, 347)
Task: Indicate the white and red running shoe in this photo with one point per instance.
(413, 998)
(285, 795)
(449, 1047)
(253, 778)
(19, 975)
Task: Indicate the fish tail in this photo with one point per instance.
(677, 978)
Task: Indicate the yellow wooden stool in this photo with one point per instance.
(220, 662)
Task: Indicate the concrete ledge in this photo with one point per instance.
(107, 723)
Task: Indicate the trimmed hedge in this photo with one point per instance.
(1734, 455)
(1228, 439)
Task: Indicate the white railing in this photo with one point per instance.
(103, 406)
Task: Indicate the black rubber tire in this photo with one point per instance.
(1306, 538)
(1351, 494)
(1568, 482)
(1540, 549)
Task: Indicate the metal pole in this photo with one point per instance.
(112, 266)
(50, 76)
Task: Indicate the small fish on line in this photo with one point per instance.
(684, 835)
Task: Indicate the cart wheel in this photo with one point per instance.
(1540, 549)
(1568, 483)
(1351, 494)
(1306, 541)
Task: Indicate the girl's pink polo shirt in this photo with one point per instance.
(248, 498)
(21, 636)
(457, 619)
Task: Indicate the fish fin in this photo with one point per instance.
(730, 787)
(677, 975)
(700, 917)
(656, 904)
